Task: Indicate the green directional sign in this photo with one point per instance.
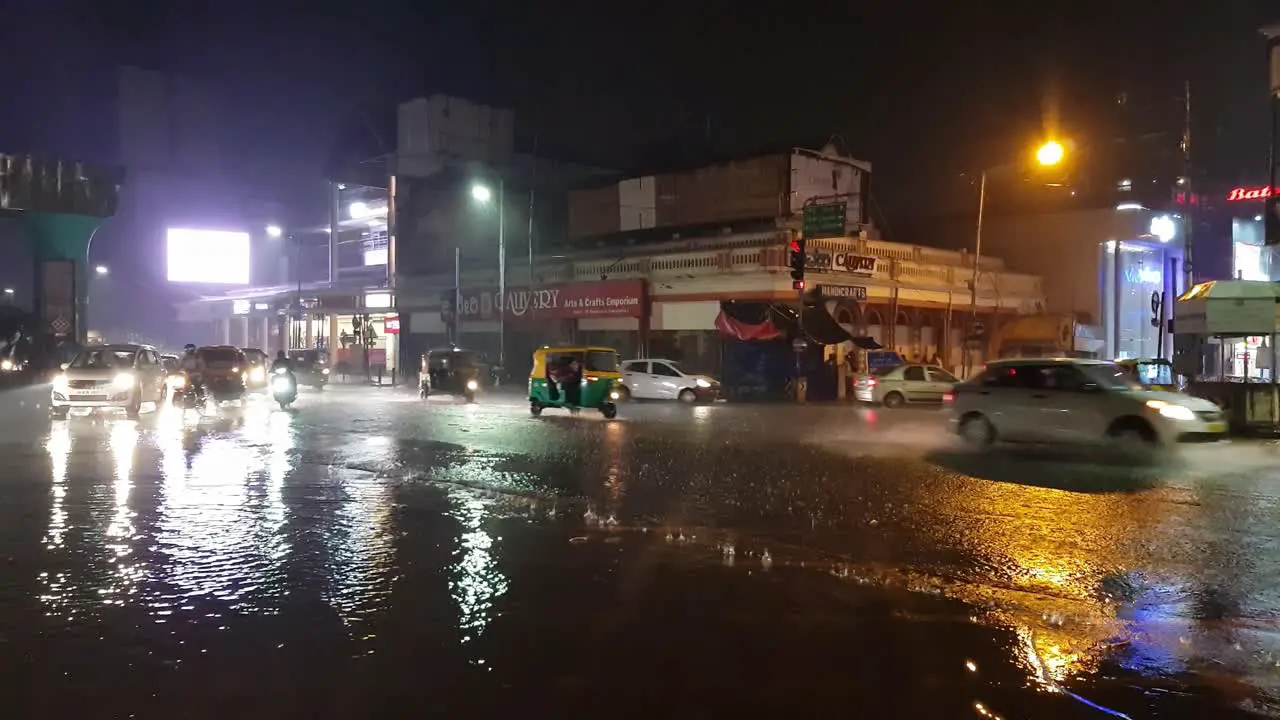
(824, 221)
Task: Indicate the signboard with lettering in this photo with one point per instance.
(851, 292)
(57, 296)
(391, 325)
(824, 221)
(607, 298)
(1249, 193)
(841, 262)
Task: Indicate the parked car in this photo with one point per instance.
(905, 384)
(662, 379)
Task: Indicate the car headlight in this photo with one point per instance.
(702, 383)
(324, 371)
(60, 382)
(177, 381)
(6, 365)
(614, 395)
(257, 374)
(472, 384)
(235, 369)
(1173, 412)
(123, 381)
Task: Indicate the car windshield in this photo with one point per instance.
(103, 359)
(220, 355)
(1109, 376)
(605, 361)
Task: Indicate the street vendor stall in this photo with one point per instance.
(1225, 335)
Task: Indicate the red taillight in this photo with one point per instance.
(949, 396)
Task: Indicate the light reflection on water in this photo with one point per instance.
(120, 533)
(54, 582)
(476, 581)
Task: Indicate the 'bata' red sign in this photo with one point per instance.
(607, 298)
(1244, 193)
(391, 325)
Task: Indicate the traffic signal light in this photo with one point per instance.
(795, 258)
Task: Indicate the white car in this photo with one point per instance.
(1072, 401)
(897, 386)
(661, 379)
(110, 376)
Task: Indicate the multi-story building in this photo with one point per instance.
(640, 263)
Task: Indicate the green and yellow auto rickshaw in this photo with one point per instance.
(1150, 373)
(575, 377)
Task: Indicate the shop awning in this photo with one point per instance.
(771, 321)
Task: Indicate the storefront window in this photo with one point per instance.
(1131, 273)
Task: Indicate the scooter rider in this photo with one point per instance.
(282, 361)
(193, 366)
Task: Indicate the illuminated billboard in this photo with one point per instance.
(208, 257)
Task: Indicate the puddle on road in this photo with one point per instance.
(269, 517)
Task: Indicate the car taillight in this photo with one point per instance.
(949, 396)
(871, 382)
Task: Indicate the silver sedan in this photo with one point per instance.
(898, 386)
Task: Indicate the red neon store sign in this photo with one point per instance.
(1245, 193)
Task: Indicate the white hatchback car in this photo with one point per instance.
(110, 376)
(1064, 400)
(661, 379)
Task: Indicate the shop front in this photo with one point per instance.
(609, 312)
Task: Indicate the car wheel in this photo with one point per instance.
(977, 431)
(894, 400)
(535, 409)
(1132, 435)
(610, 411)
(687, 396)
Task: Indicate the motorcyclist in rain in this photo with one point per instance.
(193, 367)
(282, 361)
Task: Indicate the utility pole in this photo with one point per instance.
(967, 360)
(1272, 219)
(1188, 264)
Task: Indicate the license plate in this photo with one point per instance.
(87, 391)
(1217, 427)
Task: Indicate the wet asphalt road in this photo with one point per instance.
(370, 554)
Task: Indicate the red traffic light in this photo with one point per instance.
(797, 285)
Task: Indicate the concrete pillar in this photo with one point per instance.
(264, 327)
(308, 338)
(224, 331)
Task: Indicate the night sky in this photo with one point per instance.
(923, 90)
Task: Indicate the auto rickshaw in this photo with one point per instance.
(575, 377)
(1151, 373)
(451, 370)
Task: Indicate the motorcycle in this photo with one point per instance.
(284, 387)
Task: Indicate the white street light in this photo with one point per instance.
(274, 231)
(101, 270)
(8, 291)
(482, 194)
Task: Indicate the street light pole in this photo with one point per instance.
(973, 281)
(502, 274)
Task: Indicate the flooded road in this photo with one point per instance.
(371, 554)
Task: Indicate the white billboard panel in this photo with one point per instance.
(209, 257)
